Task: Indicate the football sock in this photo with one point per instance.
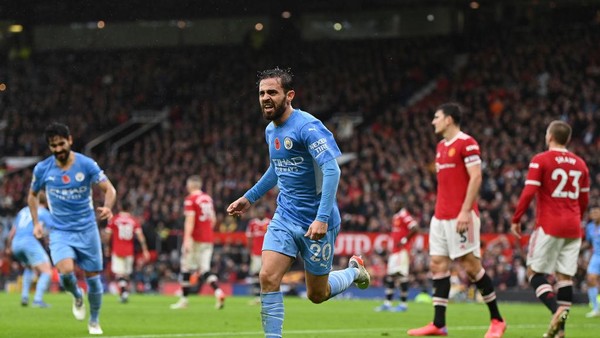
(544, 291)
(41, 287)
(486, 288)
(340, 280)
(27, 278)
(255, 286)
(388, 282)
(272, 314)
(212, 280)
(94, 297)
(185, 284)
(593, 296)
(441, 291)
(69, 283)
(564, 293)
(122, 285)
(403, 291)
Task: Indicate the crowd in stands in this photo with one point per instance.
(512, 86)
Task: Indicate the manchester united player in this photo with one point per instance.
(560, 180)
(454, 229)
(404, 227)
(121, 229)
(197, 246)
(255, 233)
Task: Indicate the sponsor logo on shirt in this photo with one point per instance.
(68, 194)
(319, 146)
(286, 165)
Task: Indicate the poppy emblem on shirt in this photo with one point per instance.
(66, 179)
(277, 144)
(451, 152)
(287, 143)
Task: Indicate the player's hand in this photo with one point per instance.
(104, 213)
(316, 230)
(515, 228)
(186, 246)
(240, 206)
(464, 221)
(146, 255)
(38, 230)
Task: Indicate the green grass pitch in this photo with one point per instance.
(147, 316)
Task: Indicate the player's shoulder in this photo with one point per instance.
(466, 139)
(45, 163)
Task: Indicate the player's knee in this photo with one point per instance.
(269, 282)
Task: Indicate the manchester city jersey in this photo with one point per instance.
(592, 235)
(24, 224)
(69, 192)
(297, 148)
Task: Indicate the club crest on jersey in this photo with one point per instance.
(277, 144)
(287, 143)
(451, 152)
(79, 177)
(66, 179)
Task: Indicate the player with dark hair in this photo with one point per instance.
(303, 165)
(560, 181)
(197, 246)
(121, 230)
(67, 179)
(454, 230)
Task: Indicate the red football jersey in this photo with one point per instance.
(200, 205)
(123, 227)
(561, 182)
(451, 161)
(402, 223)
(256, 230)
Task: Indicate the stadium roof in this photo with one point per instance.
(60, 11)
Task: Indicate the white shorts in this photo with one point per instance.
(121, 265)
(398, 263)
(198, 259)
(549, 254)
(255, 264)
(445, 241)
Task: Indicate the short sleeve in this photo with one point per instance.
(320, 143)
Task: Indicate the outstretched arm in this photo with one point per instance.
(266, 183)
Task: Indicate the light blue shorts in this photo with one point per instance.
(286, 237)
(30, 252)
(594, 265)
(82, 246)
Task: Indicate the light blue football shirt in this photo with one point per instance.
(69, 192)
(297, 148)
(592, 235)
(24, 224)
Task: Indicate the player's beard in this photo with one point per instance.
(63, 156)
(276, 113)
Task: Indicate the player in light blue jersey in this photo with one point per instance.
(29, 251)
(592, 236)
(307, 220)
(67, 179)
